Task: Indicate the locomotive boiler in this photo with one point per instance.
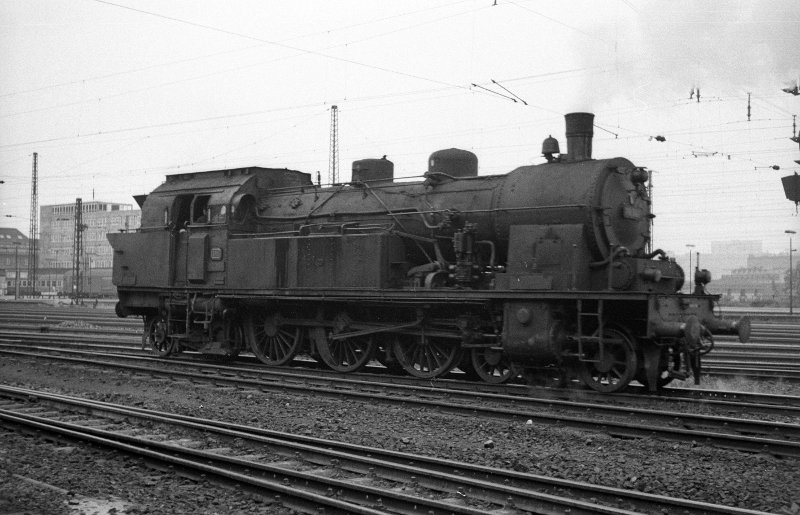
(546, 270)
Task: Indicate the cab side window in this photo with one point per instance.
(218, 214)
(200, 209)
(181, 210)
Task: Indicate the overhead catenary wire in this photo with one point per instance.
(651, 160)
(279, 44)
(510, 92)
(231, 140)
(329, 30)
(216, 72)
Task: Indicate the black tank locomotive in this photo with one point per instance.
(545, 270)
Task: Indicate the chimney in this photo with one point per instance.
(579, 136)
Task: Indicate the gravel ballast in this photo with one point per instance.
(690, 470)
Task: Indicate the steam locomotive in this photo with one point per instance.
(545, 271)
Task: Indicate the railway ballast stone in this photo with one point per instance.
(682, 469)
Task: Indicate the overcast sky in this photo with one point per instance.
(114, 95)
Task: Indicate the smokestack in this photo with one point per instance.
(579, 136)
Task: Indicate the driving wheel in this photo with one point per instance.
(611, 370)
(343, 354)
(491, 365)
(426, 357)
(272, 341)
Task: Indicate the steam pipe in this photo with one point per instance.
(657, 252)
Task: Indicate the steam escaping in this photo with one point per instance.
(682, 48)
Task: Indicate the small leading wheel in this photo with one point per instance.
(617, 366)
(426, 357)
(343, 354)
(491, 365)
(272, 341)
(156, 337)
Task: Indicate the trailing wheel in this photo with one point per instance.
(272, 341)
(156, 336)
(491, 365)
(611, 370)
(427, 357)
(343, 354)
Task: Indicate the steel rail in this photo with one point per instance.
(771, 346)
(714, 364)
(753, 402)
(350, 495)
(515, 488)
(779, 333)
(410, 396)
(754, 359)
(782, 374)
(308, 502)
(376, 375)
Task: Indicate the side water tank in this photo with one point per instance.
(370, 170)
(453, 162)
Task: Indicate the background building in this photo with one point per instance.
(763, 279)
(723, 258)
(57, 232)
(727, 256)
(13, 257)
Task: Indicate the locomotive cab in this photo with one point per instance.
(171, 268)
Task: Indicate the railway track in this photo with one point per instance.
(786, 331)
(306, 473)
(774, 353)
(752, 435)
(376, 374)
(731, 360)
(762, 313)
(693, 399)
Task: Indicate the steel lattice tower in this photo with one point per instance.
(333, 164)
(77, 251)
(650, 196)
(34, 227)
